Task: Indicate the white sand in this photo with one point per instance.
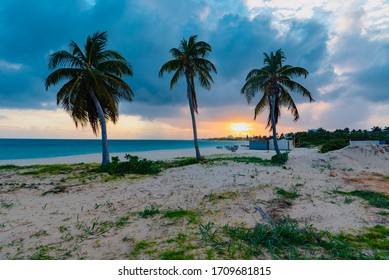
(152, 155)
(81, 221)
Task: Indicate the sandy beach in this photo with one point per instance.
(79, 214)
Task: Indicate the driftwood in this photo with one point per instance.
(264, 215)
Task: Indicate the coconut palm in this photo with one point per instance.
(275, 83)
(93, 84)
(189, 61)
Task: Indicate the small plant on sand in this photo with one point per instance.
(287, 194)
(39, 234)
(176, 255)
(279, 159)
(6, 204)
(375, 199)
(181, 213)
(149, 211)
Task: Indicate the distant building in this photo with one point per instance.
(313, 130)
(364, 141)
(230, 137)
(260, 144)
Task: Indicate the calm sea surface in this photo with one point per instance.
(44, 148)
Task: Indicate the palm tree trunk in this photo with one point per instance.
(192, 113)
(103, 126)
(273, 122)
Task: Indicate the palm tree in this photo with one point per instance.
(189, 61)
(93, 84)
(274, 82)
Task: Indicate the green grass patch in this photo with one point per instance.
(286, 194)
(132, 165)
(221, 196)
(39, 234)
(11, 167)
(375, 199)
(246, 160)
(279, 159)
(51, 169)
(333, 144)
(6, 204)
(176, 255)
(149, 211)
(178, 213)
(122, 221)
(42, 253)
(178, 162)
(285, 239)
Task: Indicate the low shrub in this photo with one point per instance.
(133, 165)
(334, 144)
(279, 159)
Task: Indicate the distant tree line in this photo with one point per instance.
(339, 137)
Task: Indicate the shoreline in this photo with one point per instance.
(151, 155)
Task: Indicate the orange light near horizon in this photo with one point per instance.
(241, 127)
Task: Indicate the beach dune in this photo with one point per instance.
(83, 215)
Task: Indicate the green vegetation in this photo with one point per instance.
(179, 213)
(287, 194)
(322, 136)
(178, 162)
(279, 159)
(149, 211)
(286, 240)
(10, 167)
(40, 233)
(133, 165)
(223, 195)
(176, 255)
(333, 144)
(52, 169)
(6, 204)
(375, 199)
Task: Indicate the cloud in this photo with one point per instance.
(343, 44)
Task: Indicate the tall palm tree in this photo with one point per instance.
(93, 84)
(275, 83)
(189, 61)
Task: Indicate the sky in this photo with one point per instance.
(343, 44)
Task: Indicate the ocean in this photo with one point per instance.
(46, 148)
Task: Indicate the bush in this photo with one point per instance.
(334, 144)
(279, 159)
(133, 165)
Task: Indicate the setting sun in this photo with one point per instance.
(241, 127)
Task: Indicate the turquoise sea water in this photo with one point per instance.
(45, 148)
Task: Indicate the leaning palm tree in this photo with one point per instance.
(93, 84)
(189, 61)
(275, 83)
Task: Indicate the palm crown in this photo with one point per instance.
(189, 61)
(97, 70)
(274, 81)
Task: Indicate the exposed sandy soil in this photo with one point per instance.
(93, 217)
